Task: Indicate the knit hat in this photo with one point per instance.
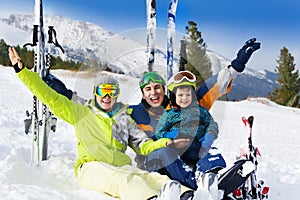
(107, 79)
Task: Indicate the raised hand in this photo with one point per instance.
(244, 54)
(14, 57)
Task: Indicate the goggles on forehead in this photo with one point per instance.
(182, 78)
(150, 76)
(101, 90)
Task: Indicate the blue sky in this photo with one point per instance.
(225, 25)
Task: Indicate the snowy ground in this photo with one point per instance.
(275, 132)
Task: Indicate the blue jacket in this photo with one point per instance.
(192, 122)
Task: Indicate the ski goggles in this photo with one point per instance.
(101, 90)
(182, 78)
(184, 75)
(150, 76)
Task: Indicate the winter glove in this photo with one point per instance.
(172, 134)
(206, 143)
(244, 54)
(57, 85)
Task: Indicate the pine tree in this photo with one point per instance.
(4, 60)
(288, 92)
(198, 61)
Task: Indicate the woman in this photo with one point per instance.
(103, 130)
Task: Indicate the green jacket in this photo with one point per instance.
(100, 137)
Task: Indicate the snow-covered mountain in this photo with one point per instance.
(83, 41)
(253, 83)
(124, 52)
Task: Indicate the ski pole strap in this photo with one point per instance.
(51, 33)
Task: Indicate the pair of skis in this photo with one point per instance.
(253, 189)
(240, 181)
(151, 37)
(40, 121)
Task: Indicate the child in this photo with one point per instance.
(187, 119)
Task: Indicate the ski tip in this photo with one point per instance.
(250, 120)
(245, 121)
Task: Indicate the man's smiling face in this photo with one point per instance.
(154, 93)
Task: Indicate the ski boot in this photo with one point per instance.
(169, 191)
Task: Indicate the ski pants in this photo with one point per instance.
(167, 161)
(125, 182)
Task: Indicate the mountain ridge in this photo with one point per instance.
(83, 41)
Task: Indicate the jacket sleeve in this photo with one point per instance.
(162, 126)
(60, 105)
(215, 87)
(210, 125)
(141, 143)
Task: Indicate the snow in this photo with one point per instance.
(275, 133)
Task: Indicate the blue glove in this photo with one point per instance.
(206, 143)
(172, 134)
(244, 54)
(57, 85)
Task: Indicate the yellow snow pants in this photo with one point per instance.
(126, 182)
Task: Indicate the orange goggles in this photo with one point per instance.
(101, 90)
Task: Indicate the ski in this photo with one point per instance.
(240, 181)
(151, 32)
(40, 121)
(170, 36)
(182, 54)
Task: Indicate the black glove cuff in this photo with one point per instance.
(16, 68)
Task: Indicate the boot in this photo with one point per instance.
(169, 191)
(207, 187)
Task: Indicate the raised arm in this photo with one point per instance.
(221, 83)
(58, 104)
